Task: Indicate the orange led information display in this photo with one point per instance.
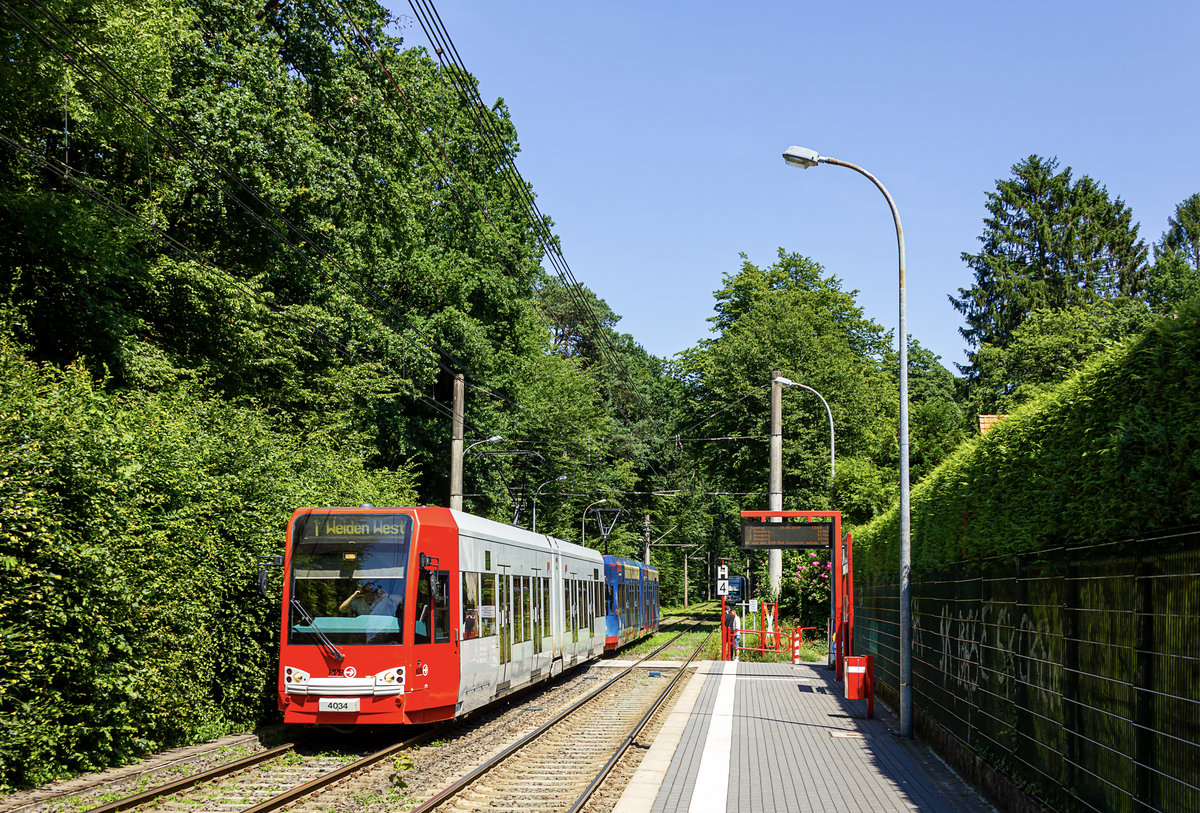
(757, 535)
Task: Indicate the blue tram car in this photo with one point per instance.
(739, 590)
(631, 601)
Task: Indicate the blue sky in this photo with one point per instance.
(652, 134)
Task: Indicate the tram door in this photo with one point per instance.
(573, 591)
(436, 650)
(504, 614)
(537, 618)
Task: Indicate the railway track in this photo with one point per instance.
(562, 763)
(267, 780)
(290, 775)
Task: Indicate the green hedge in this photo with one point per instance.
(1111, 453)
(130, 534)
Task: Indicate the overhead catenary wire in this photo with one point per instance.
(215, 171)
(428, 132)
(303, 246)
(445, 49)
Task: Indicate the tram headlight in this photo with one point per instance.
(291, 675)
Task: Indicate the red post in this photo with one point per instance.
(860, 680)
(724, 633)
(850, 594)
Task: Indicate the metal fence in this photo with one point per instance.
(1075, 672)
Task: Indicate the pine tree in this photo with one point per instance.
(1048, 243)
(1183, 233)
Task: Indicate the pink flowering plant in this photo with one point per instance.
(812, 580)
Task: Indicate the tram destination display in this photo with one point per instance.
(759, 535)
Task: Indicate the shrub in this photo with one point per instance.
(132, 529)
(1111, 453)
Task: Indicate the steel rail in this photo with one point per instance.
(637, 729)
(139, 799)
(289, 797)
(453, 790)
(76, 793)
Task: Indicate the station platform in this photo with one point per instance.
(775, 737)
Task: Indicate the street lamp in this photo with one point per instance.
(583, 520)
(787, 382)
(804, 158)
(535, 498)
(456, 470)
(492, 439)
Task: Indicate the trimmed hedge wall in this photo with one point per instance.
(1111, 453)
(130, 534)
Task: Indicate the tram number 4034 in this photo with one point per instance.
(341, 704)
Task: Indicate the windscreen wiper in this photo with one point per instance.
(326, 644)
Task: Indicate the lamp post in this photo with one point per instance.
(583, 520)
(787, 382)
(456, 472)
(537, 491)
(492, 439)
(803, 158)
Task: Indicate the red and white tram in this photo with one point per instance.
(412, 615)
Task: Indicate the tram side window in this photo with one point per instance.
(487, 605)
(424, 611)
(470, 609)
(545, 607)
(441, 609)
(433, 607)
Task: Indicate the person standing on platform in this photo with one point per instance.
(729, 616)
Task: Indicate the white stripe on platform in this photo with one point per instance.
(712, 781)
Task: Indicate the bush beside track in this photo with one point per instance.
(1112, 453)
(130, 537)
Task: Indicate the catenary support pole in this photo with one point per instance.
(775, 557)
(456, 445)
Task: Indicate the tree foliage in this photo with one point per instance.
(133, 527)
(794, 318)
(1049, 243)
(1111, 453)
(1175, 274)
(1049, 347)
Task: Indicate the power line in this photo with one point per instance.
(472, 103)
(431, 24)
(215, 171)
